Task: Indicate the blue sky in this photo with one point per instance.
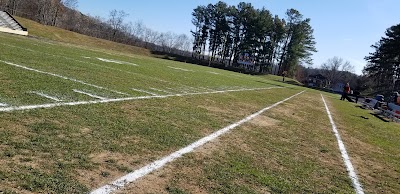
(343, 28)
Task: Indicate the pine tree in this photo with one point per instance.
(384, 63)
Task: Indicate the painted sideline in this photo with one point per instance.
(350, 169)
(52, 105)
(131, 177)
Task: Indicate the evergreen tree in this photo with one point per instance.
(384, 63)
(231, 31)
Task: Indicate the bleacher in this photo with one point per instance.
(9, 25)
(392, 111)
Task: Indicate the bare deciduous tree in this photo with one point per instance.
(63, 13)
(334, 69)
(116, 21)
(72, 4)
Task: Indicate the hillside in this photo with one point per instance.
(57, 34)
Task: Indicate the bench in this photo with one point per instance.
(392, 112)
(370, 103)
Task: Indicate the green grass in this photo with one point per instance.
(83, 146)
(378, 161)
(289, 155)
(295, 151)
(69, 62)
(74, 149)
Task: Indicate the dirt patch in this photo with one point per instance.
(131, 109)
(85, 130)
(214, 109)
(110, 165)
(264, 121)
(160, 181)
(302, 145)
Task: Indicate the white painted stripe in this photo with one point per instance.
(187, 90)
(89, 94)
(177, 68)
(69, 58)
(3, 104)
(215, 73)
(60, 76)
(118, 62)
(159, 90)
(46, 96)
(350, 169)
(204, 88)
(131, 177)
(172, 89)
(144, 91)
(31, 107)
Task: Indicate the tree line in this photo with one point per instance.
(225, 33)
(381, 75)
(222, 34)
(336, 71)
(63, 14)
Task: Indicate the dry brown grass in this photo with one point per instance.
(60, 35)
(189, 174)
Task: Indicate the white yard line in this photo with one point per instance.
(209, 89)
(3, 104)
(117, 62)
(144, 91)
(89, 94)
(215, 73)
(159, 90)
(69, 58)
(177, 68)
(131, 177)
(350, 169)
(172, 89)
(52, 105)
(62, 77)
(46, 96)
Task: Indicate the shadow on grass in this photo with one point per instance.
(359, 106)
(381, 117)
(377, 115)
(360, 116)
(268, 83)
(292, 82)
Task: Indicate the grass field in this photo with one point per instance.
(74, 118)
